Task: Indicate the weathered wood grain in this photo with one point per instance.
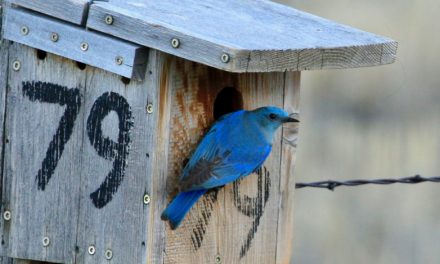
(259, 36)
(6, 260)
(115, 218)
(156, 228)
(4, 45)
(63, 209)
(1, 20)
(102, 51)
(84, 204)
(239, 222)
(35, 131)
(4, 58)
(22, 261)
(74, 11)
(287, 179)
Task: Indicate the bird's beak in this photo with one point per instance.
(290, 120)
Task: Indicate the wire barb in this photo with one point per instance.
(331, 185)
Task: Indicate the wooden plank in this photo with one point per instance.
(64, 211)
(287, 179)
(44, 135)
(1, 4)
(156, 228)
(4, 57)
(22, 261)
(1, 20)
(6, 260)
(101, 51)
(258, 36)
(4, 61)
(74, 11)
(238, 223)
(113, 215)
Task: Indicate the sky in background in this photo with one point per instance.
(367, 123)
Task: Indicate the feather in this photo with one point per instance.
(180, 206)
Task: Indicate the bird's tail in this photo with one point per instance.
(177, 209)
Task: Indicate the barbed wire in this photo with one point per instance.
(331, 185)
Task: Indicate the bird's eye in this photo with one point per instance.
(272, 116)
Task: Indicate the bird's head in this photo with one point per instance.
(270, 117)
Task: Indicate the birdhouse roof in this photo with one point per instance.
(237, 36)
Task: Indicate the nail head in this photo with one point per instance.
(108, 254)
(175, 43)
(218, 259)
(54, 37)
(147, 199)
(24, 30)
(16, 65)
(109, 19)
(7, 215)
(119, 60)
(225, 58)
(46, 241)
(84, 46)
(91, 250)
(150, 108)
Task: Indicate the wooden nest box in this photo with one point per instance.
(102, 103)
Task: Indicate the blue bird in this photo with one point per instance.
(234, 147)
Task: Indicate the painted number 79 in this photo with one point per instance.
(104, 146)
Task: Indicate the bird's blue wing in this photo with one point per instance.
(209, 153)
(219, 159)
(234, 168)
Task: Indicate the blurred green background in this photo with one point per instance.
(367, 123)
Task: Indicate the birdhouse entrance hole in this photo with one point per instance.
(41, 54)
(228, 100)
(80, 65)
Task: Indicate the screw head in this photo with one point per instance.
(108, 254)
(54, 37)
(84, 46)
(16, 65)
(46, 241)
(109, 19)
(147, 199)
(119, 60)
(7, 215)
(225, 58)
(150, 108)
(218, 259)
(175, 43)
(24, 30)
(91, 250)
